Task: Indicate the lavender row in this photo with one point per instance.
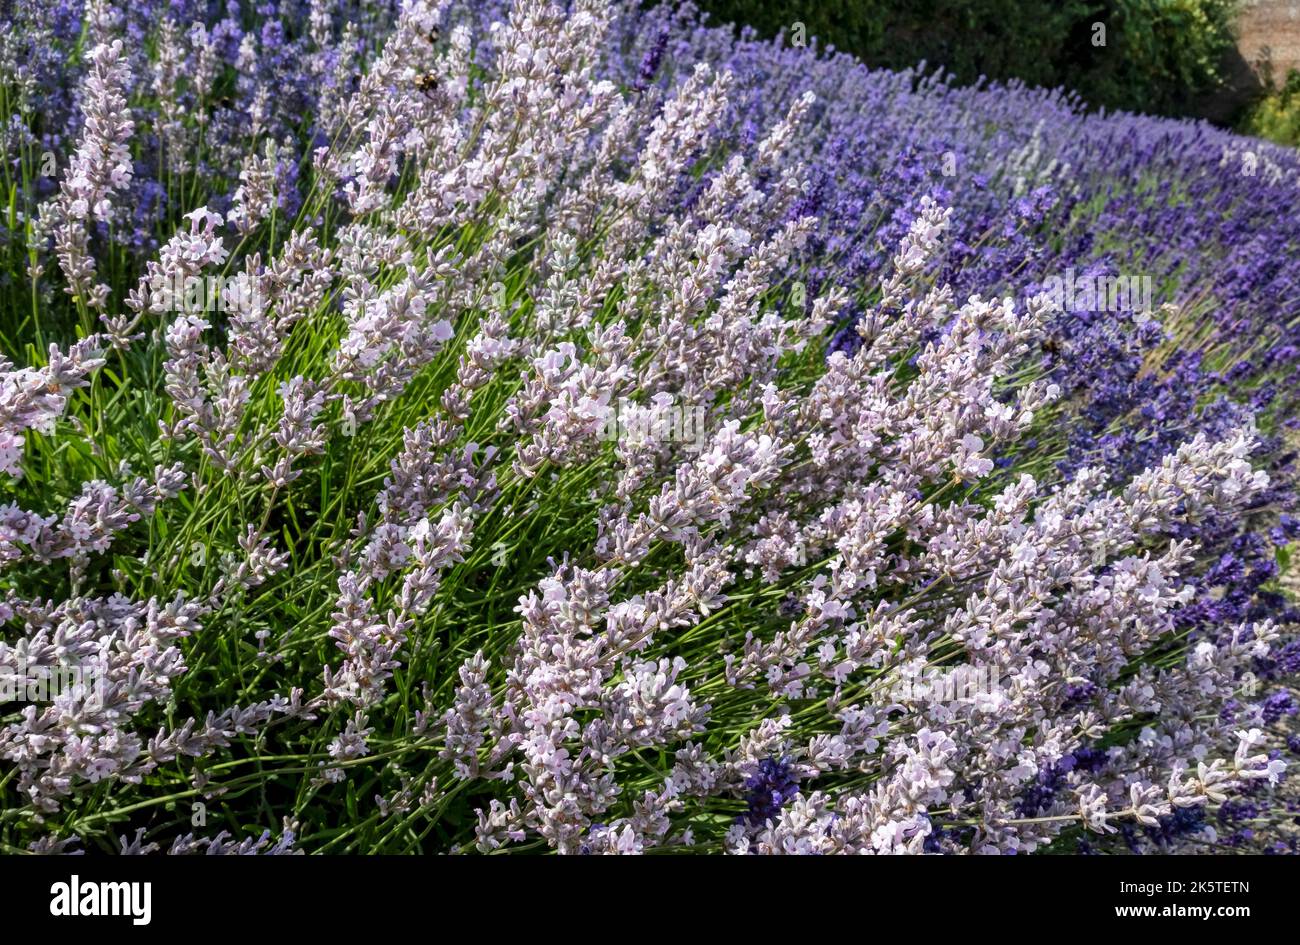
(574, 427)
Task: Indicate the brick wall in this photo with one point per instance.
(1269, 31)
(1268, 40)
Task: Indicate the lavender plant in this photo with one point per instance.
(480, 427)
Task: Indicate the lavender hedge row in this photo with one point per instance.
(449, 426)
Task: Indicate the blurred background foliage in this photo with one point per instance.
(1277, 115)
(1159, 56)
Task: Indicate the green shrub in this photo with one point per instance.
(1162, 54)
(1157, 56)
(1277, 115)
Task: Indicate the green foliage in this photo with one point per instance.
(1161, 54)
(1277, 116)
(1154, 56)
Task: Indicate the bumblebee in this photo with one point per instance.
(427, 83)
